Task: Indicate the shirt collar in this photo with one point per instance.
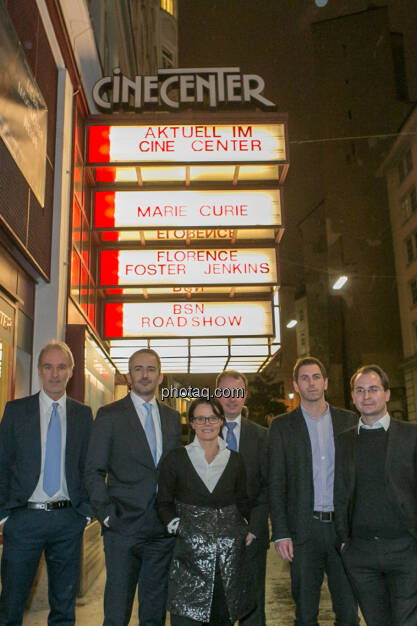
(237, 420)
(196, 444)
(140, 401)
(47, 401)
(308, 415)
(384, 423)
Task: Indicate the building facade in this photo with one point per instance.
(359, 107)
(400, 172)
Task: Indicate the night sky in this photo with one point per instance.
(273, 38)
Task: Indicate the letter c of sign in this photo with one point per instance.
(164, 95)
(97, 91)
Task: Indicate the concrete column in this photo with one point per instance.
(51, 298)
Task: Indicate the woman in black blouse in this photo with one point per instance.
(202, 499)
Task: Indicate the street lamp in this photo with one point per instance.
(338, 284)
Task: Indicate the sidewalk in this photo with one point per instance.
(279, 604)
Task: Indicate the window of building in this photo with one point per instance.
(168, 6)
(410, 249)
(413, 291)
(408, 204)
(405, 165)
(167, 59)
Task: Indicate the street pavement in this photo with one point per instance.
(279, 604)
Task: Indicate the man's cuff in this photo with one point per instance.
(172, 527)
(283, 539)
(2, 521)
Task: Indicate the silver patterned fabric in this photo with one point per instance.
(206, 535)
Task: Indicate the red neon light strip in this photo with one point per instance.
(99, 144)
(109, 267)
(104, 209)
(113, 324)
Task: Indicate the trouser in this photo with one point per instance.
(312, 559)
(383, 573)
(26, 534)
(136, 562)
(257, 562)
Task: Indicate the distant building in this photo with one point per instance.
(139, 37)
(400, 171)
(362, 98)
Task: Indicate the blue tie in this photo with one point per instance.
(52, 467)
(231, 440)
(150, 430)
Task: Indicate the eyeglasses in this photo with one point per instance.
(371, 390)
(211, 419)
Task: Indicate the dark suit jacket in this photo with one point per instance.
(253, 448)
(121, 477)
(400, 476)
(290, 460)
(21, 455)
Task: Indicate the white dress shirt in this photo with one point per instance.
(138, 403)
(236, 430)
(208, 472)
(45, 410)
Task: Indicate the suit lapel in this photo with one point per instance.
(138, 431)
(164, 427)
(393, 445)
(33, 434)
(244, 440)
(301, 434)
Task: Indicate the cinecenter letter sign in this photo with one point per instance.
(192, 319)
(196, 143)
(188, 267)
(185, 209)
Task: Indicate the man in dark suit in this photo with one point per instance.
(249, 439)
(376, 504)
(43, 501)
(301, 473)
(129, 439)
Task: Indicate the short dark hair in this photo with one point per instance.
(308, 360)
(213, 402)
(233, 374)
(367, 369)
(146, 351)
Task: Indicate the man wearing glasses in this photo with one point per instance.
(376, 504)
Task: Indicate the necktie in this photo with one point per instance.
(231, 440)
(150, 430)
(52, 467)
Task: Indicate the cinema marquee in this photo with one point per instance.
(188, 212)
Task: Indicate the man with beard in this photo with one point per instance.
(301, 452)
(129, 439)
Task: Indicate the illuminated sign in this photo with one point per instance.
(172, 87)
(167, 319)
(188, 267)
(182, 209)
(187, 143)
